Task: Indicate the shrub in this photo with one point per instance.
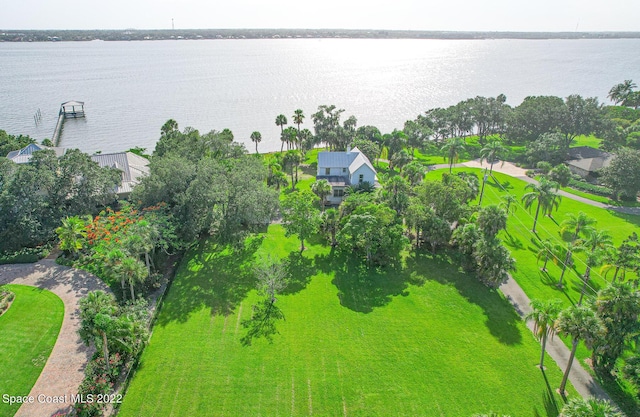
(591, 188)
(544, 166)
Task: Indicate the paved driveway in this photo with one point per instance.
(64, 369)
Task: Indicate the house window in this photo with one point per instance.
(344, 170)
(338, 192)
(360, 178)
(327, 171)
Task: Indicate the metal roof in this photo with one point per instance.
(352, 159)
(23, 156)
(132, 166)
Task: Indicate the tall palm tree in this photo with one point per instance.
(292, 159)
(256, 138)
(330, 223)
(544, 316)
(452, 149)
(281, 120)
(579, 323)
(71, 234)
(545, 194)
(577, 225)
(134, 271)
(597, 244)
(298, 118)
(322, 189)
(492, 151)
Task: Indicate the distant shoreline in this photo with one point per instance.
(199, 34)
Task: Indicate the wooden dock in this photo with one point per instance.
(70, 109)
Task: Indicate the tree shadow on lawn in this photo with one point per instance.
(551, 406)
(502, 319)
(299, 270)
(217, 277)
(361, 288)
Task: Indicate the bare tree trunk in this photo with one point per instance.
(105, 350)
(563, 384)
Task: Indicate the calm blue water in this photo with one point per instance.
(131, 88)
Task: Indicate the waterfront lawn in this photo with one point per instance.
(424, 339)
(28, 331)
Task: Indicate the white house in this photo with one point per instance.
(342, 169)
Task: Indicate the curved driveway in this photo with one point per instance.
(64, 370)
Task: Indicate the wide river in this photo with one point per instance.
(131, 88)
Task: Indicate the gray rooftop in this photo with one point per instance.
(353, 160)
(133, 167)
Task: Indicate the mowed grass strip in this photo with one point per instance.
(420, 340)
(28, 331)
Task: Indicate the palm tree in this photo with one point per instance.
(452, 149)
(544, 316)
(112, 265)
(134, 271)
(597, 243)
(400, 159)
(256, 138)
(281, 120)
(414, 172)
(545, 194)
(620, 92)
(97, 316)
(71, 234)
(548, 249)
(625, 257)
(330, 223)
(589, 407)
(579, 323)
(322, 189)
(292, 159)
(577, 225)
(298, 118)
(492, 151)
(508, 200)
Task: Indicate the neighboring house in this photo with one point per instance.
(585, 160)
(23, 156)
(132, 166)
(342, 169)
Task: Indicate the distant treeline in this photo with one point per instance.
(134, 34)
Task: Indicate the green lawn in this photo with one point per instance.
(583, 140)
(424, 339)
(28, 331)
(524, 248)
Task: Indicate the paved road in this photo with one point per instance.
(64, 370)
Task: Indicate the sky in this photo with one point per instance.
(454, 15)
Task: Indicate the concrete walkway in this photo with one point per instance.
(64, 370)
(582, 381)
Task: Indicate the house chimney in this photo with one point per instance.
(348, 148)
